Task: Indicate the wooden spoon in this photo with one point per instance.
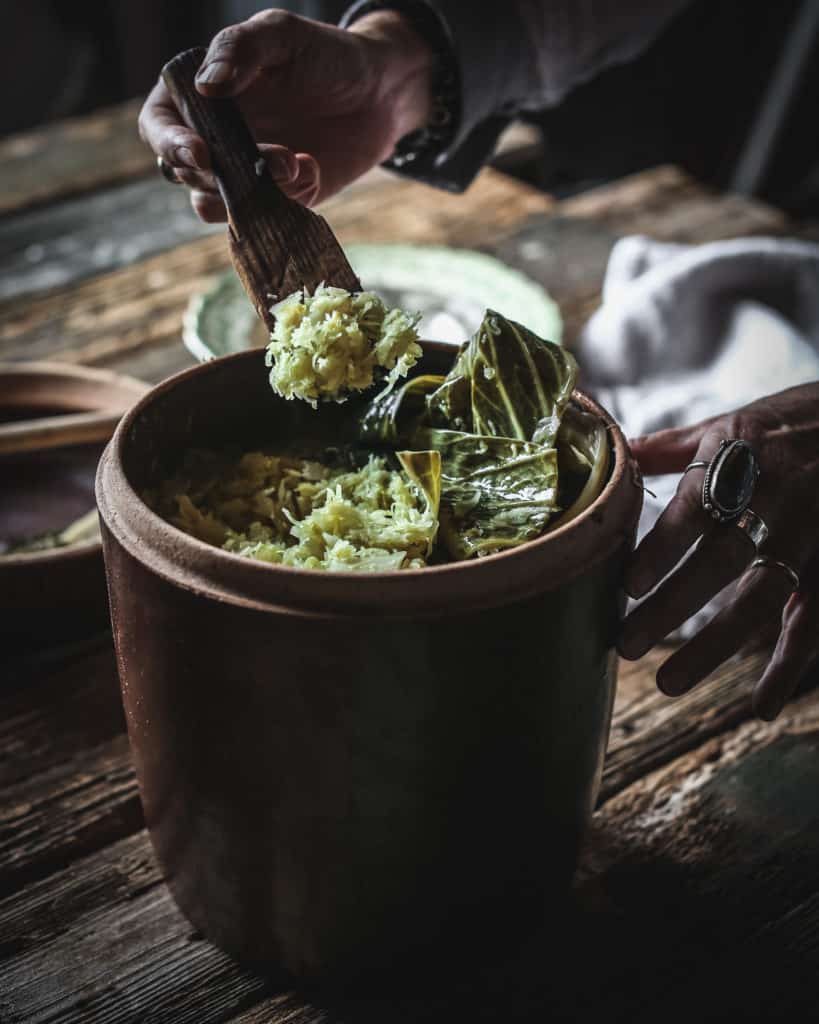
(277, 245)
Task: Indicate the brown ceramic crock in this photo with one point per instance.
(343, 773)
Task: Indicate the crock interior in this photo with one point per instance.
(233, 405)
(229, 402)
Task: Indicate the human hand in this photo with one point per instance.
(783, 431)
(324, 104)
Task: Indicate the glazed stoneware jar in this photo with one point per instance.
(344, 773)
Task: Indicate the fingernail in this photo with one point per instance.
(216, 73)
(185, 157)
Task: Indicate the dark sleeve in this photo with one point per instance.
(518, 55)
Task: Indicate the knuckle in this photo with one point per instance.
(275, 17)
(226, 40)
(741, 424)
(734, 426)
(175, 144)
(712, 437)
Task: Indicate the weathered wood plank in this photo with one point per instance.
(47, 908)
(49, 717)
(667, 203)
(649, 730)
(64, 244)
(60, 245)
(67, 811)
(155, 363)
(113, 314)
(66, 777)
(290, 1008)
(72, 156)
(712, 864)
(137, 308)
(104, 942)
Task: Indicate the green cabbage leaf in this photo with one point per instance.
(494, 419)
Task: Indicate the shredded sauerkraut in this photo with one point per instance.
(332, 342)
(301, 513)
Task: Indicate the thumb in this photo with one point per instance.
(668, 451)
(238, 53)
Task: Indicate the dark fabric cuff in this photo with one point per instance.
(494, 74)
(496, 57)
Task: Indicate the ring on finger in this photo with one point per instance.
(730, 480)
(753, 526)
(696, 464)
(167, 171)
(764, 562)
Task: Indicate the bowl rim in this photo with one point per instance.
(174, 554)
(41, 371)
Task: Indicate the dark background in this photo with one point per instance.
(693, 98)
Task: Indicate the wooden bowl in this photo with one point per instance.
(47, 595)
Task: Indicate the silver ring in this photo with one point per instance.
(753, 526)
(696, 464)
(167, 172)
(730, 480)
(762, 561)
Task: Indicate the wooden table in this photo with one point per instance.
(698, 894)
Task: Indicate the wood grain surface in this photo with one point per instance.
(698, 892)
(72, 156)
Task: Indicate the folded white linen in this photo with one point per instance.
(687, 332)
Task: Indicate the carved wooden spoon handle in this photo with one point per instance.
(277, 245)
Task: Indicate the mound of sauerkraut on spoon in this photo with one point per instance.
(334, 342)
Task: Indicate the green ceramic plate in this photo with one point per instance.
(451, 288)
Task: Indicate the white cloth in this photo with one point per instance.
(687, 332)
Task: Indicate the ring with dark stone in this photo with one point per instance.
(730, 480)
